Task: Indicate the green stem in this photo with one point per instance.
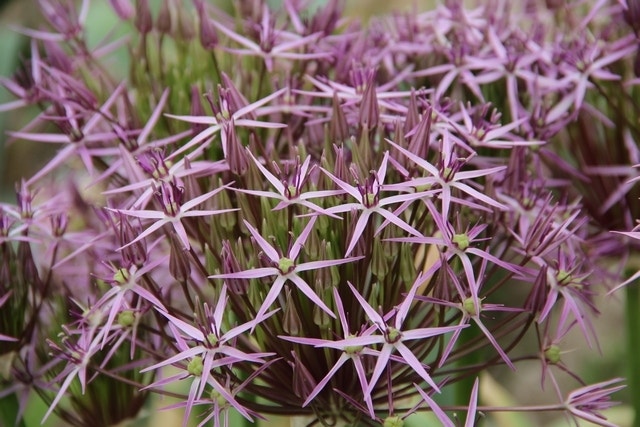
(463, 387)
(633, 348)
(9, 406)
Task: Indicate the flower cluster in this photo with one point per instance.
(295, 213)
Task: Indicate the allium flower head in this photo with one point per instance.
(284, 211)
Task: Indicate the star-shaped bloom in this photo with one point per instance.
(289, 191)
(232, 110)
(587, 402)
(285, 268)
(78, 138)
(124, 282)
(459, 245)
(392, 338)
(170, 196)
(449, 176)
(369, 202)
(442, 416)
(353, 353)
(78, 355)
(214, 348)
(471, 306)
(273, 44)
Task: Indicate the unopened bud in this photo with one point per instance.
(291, 323)
(179, 264)
(57, 57)
(27, 264)
(143, 21)
(186, 25)
(552, 354)
(369, 110)
(235, 153)
(303, 381)
(338, 126)
(632, 15)
(123, 8)
(208, 35)
(379, 265)
(197, 109)
(163, 23)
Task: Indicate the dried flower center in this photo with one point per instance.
(461, 241)
(195, 366)
(285, 265)
(552, 354)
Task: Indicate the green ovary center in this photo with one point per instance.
(212, 339)
(552, 354)
(195, 366)
(470, 307)
(126, 318)
(369, 199)
(393, 335)
(563, 277)
(285, 265)
(461, 240)
(393, 421)
(121, 276)
(218, 398)
(293, 191)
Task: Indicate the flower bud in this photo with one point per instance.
(59, 224)
(179, 263)
(163, 22)
(303, 382)
(143, 21)
(197, 109)
(58, 58)
(379, 265)
(291, 323)
(208, 34)
(123, 8)
(632, 14)
(186, 25)
(27, 264)
(338, 126)
(235, 153)
(136, 253)
(227, 220)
